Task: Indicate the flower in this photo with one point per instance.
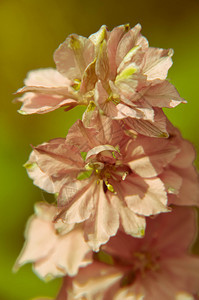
(115, 71)
(55, 249)
(159, 266)
(105, 179)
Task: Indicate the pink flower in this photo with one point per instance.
(159, 266)
(55, 249)
(105, 179)
(115, 71)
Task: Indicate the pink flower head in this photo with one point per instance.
(105, 179)
(159, 266)
(116, 71)
(55, 249)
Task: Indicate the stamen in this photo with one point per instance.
(77, 84)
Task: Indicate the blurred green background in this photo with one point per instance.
(30, 31)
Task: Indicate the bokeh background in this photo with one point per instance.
(30, 31)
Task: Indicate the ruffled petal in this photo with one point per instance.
(131, 222)
(73, 56)
(103, 223)
(144, 196)
(163, 94)
(156, 63)
(45, 91)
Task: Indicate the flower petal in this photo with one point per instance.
(131, 222)
(67, 257)
(103, 223)
(157, 63)
(144, 197)
(73, 56)
(163, 94)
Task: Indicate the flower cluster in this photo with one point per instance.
(123, 178)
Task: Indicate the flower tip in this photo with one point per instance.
(163, 135)
(170, 52)
(138, 25)
(47, 278)
(15, 268)
(19, 91)
(21, 112)
(127, 27)
(171, 190)
(142, 232)
(30, 166)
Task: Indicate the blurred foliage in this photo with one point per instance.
(30, 31)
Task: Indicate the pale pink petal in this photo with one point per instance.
(73, 56)
(108, 131)
(148, 128)
(79, 205)
(128, 41)
(126, 93)
(53, 156)
(157, 63)
(127, 81)
(46, 78)
(43, 103)
(99, 36)
(96, 150)
(103, 102)
(163, 94)
(39, 178)
(82, 137)
(132, 59)
(45, 90)
(103, 223)
(144, 197)
(39, 235)
(124, 111)
(131, 223)
(102, 64)
(55, 249)
(94, 287)
(57, 91)
(148, 161)
(67, 257)
(89, 78)
(112, 44)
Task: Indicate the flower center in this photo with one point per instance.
(105, 165)
(145, 261)
(140, 263)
